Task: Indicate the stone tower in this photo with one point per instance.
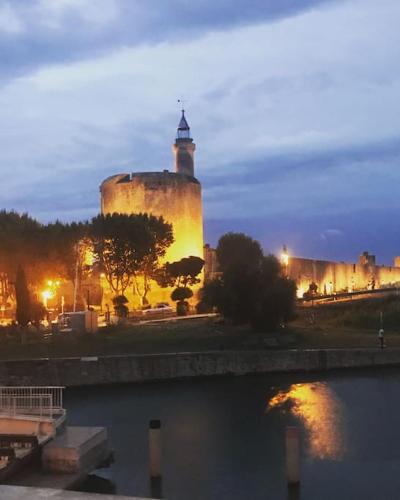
(184, 148)
(174, 195)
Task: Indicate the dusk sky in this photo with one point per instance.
(294, 106)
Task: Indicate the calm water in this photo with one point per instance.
(224, 438)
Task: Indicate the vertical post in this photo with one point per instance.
(292, 455)
(155, 458)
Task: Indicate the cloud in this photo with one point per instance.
(10, 23)
(291, 118)
(54, 31)
(328, 234)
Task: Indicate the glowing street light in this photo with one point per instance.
(51, 291)
(285, 259)
(47, 294)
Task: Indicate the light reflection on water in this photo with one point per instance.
(320, 411)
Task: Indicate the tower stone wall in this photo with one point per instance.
(176, 196)
(183, 150)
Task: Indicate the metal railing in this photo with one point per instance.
(39, 401)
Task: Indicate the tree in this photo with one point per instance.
(23, 310)
(275, 302)
(161, 239)
(62, 248)
(180, 296)
(237, 249)
(181, 273)
(44, 251)
(128, 247)
(251, 288)
(19, 238)
(38, 312)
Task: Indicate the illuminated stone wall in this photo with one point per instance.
(175, 196)
(331, 277)
(336, 277)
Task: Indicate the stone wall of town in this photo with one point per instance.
(335, 277)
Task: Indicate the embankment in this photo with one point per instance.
(71, 372)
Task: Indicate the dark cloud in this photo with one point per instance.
(136, 23)
(279, 167)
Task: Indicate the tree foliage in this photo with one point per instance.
(238, 250)
(181, 273)
(120, 306)
(42, 250)
(38, 312)
(128, 247)
(181, 293)
(23, 310)
(251, 288)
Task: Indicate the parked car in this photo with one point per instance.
(160, 308)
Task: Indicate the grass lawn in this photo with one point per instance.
(341, 325)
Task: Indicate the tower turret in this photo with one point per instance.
(184, 148)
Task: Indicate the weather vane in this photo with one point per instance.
(182, 101)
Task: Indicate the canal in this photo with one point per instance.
(223, 438)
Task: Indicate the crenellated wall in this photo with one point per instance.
(335, 277)
(330, 277)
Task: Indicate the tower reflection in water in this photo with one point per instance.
(319, 410)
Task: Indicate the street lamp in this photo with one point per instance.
(46, 294)
(285, 260)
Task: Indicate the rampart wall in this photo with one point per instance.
(335, 277)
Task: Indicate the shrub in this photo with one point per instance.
(179, 295)
(121, 310)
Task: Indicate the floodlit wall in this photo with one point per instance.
(331, 277)
(176, 197)
(335, 277)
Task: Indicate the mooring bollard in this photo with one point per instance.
(155, 458)
(292, 455)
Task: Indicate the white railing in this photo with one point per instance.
(40, 401)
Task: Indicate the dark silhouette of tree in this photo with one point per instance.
(251, 288)
(44, 251)
(237, 249)
(63, 247)
(180, 296)
(181, 273)
(38, 312)
(120, 307)
(19, 237)
(23, 310)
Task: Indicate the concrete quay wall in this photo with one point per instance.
(72, 372)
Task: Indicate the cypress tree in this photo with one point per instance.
(23, 312)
